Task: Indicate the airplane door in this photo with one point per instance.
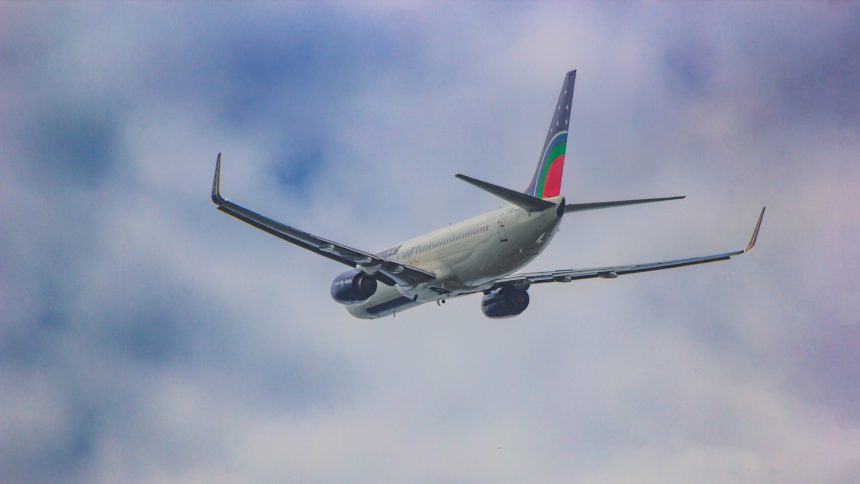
(503, 233)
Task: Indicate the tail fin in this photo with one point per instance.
(546, 181)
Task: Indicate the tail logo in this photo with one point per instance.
(551, 167)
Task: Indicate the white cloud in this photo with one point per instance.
(147, 337)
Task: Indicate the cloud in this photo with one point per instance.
(146, 337)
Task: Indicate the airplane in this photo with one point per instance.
(478, 255)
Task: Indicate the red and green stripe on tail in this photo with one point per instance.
(548, 183)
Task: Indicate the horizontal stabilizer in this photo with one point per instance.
(579, 207)
(527, 202)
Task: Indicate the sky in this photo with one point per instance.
(147, 337)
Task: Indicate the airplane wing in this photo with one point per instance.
(526, 279)
(385, 270)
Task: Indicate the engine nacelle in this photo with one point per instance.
(353, 287)
(505, 302)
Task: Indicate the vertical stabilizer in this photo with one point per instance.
(546, 181)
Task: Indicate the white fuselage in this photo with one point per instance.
(466, 257)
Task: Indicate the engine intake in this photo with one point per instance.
(505, 302)
(353, 287)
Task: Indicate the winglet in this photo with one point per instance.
(216, 183)
(755, 232)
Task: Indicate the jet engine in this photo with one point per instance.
(353, 287)
(505, 302)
